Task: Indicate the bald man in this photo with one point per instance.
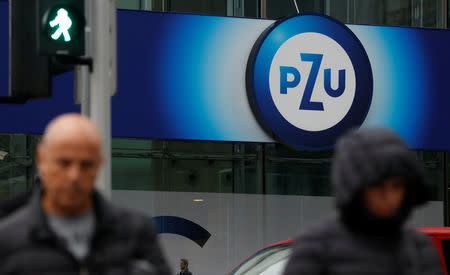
(67, 227)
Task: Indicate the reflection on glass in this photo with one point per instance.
(291, 172)
(415, 13)
(185, 166)
(17, 163)
(129, 4)
(434, 171)
(279, 9)
(217, 7)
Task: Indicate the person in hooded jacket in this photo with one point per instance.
(377, 182)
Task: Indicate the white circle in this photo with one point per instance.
(334, 58)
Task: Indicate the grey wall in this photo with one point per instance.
(239, 224)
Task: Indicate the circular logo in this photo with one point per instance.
(309, 79)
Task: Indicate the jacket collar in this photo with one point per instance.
(40, 229)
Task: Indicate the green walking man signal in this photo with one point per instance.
(64, 23)
(61, 27)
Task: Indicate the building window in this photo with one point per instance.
(186, 166)
(17, 163)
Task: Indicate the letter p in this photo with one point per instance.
(284, 83)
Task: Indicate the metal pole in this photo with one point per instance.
(263, 8)
(296, 6)
(348, 11)
(82, 88)
(230, 7)
(328, 7)
(446, 165)
(238, 8)
(146, 5)
(446, 190)
(103, 79)
(82, 77)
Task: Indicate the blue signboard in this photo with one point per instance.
(183, 76)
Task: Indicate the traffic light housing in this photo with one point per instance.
(29, 73)
(61, 27)
(34, 56)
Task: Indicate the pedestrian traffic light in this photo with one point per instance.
(29, 75)
(46, 38)
(61, 27)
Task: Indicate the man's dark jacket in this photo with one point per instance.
(10, 204)
(124, 242)
(354, 242)
(185, 272)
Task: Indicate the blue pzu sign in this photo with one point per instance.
(308, 80)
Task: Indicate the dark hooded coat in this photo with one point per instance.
(354, 242)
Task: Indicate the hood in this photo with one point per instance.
(366, 157)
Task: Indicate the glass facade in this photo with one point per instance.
(17, 163)
(247, 195)
(202, 166)
(186, 166)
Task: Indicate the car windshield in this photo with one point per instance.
(271, 260)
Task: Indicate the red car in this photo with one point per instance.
(271, 260)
